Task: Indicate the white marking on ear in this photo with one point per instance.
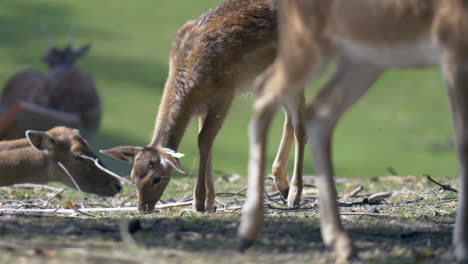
(164, 163)
(174, 154)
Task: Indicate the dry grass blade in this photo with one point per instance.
(443, 186)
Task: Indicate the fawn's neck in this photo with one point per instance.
(25, 165)
(14, 144)
(172, 119)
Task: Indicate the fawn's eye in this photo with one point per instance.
(156, 180)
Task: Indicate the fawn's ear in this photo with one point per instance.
(40, 140)
(170, 158)
(125, 153)
(81, 52)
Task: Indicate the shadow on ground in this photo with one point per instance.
(379, 240)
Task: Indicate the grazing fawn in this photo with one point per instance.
(392, 34)
(212, 60)
(65, 88)
(36, 159)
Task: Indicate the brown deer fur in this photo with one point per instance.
(212, 60)
(364, 38)
(35, 160)
(65, 88)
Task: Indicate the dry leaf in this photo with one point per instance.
(69, 205)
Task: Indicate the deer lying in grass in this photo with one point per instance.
(213, 59)
(64, 88)
(36, 159)
(391, 34)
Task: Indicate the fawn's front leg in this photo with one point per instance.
(204, 193)
(281, 161)
(295, 107)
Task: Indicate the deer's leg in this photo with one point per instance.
(281, 161)
(294, 197)
(349, 83)
(252, 210)
(455, 72)
(209, 126)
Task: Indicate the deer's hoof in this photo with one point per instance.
(244, 244)
(461, 253)
(285, 193)
(293, 204)
(198, 206)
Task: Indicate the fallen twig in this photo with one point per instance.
(53, 212)
(83, 213)
(55, 196)
(170, 205)
(33, 186)
(354, 192)
(363, 213)
(378, 197)
(84, 210)
(443, 186)
(184, 211)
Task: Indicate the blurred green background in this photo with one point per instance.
(403, 122)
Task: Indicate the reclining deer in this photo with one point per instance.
(65, 88)
(36, 159)
(391, 34)
(213, 59)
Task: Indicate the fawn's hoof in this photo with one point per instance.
(199, 206)
(244, 244)
(285, 193)
(293, 204)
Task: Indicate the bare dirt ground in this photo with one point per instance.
(412, 225)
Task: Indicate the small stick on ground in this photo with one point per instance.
(364, 214)
(171, 205)
(53, 212)
(55, 196)
(185, 211)
(378, 197)
(33, 186)
(443, 186)
(354, 192)
(83, 213)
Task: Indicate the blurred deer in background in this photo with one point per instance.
(212, 60)
(391, 34)
(65, 88)
(36, 159)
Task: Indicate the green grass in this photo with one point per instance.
(403, 122)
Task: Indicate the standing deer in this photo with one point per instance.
(65, 88)
(212, 60)
(392, 34)
(36, 159)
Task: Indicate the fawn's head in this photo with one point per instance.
(151, 171)
(66, 56)
(65, 145)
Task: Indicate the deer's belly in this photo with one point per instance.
(415, 54)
